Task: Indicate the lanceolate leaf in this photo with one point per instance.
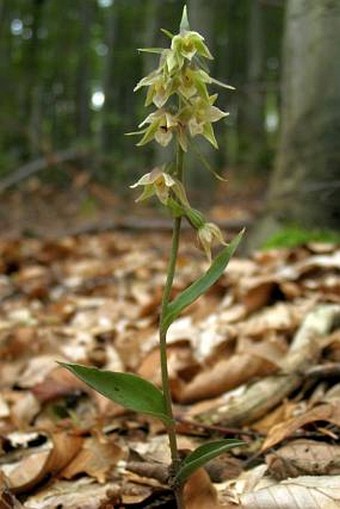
(196, 289)
(126, 389)
(202, 455)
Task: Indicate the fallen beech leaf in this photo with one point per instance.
(48, 460)
(82, 493)
(37, 369)
(325, 412)
(57, 383)
(199, 492)
(180, 362)
(96, 458)
(280, 414)
(303, 457)
(306, 492)
(223, 376)
(25, 409)
(258, 292)
(8, 501)
(280, 317)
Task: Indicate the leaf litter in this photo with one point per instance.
(256, 359)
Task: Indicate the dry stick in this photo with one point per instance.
(265, 394)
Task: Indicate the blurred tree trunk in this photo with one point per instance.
(2, 14)
(34, 105)
(109, 86)
(254, 94)
(82, 99)
(305, 185)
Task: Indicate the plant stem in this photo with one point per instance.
(171, 426)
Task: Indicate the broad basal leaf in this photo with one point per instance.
(196, 289)
(202, 455)
(126, 389)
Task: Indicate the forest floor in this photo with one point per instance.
(85, 206)
(256, 358)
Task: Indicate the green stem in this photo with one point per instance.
(171, 427)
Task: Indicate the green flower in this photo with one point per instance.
(192, 82)
(189, 43)
(160, 183)
(162, 123)
(200, 115)
(160, 88)
(207, 235)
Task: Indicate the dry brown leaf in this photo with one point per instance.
(59, 382)
(25, 408)
(304, 457)
(37, 369)
(199, 492)
(96, 458)
(280, 317)
(265, 394)
(306, 492)
(280, 414)
(258, 292)
(181, 362)
(325, 412)
(83, 493)
(36, 465)
(223, 376)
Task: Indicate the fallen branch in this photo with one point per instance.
(37, 165)
(267, 393)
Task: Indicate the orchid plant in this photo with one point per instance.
(184, 109)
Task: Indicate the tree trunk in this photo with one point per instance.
(304, 189)
(254, 93)
(110, 90)
(34, 89)
(82, 98)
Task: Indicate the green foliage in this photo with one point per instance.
(202, 455)
(199, 287)
(293, 235)
(126, 389)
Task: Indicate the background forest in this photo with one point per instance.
(69, 69)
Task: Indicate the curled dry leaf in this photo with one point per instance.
(308, 492)
(259, 291)
(223, 376)
(83, 493)
(36, 465)
(96, 458)
(58, 383)
(199, 492)
(329, 412)
(303, 457)
(268, 392)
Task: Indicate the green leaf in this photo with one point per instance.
(206, 163)
(197, 288)
(184, 25)
(202, 455)
(126, 389)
